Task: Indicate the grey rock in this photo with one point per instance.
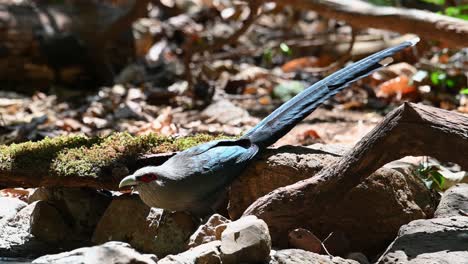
(454, 202)
(438, 240)
(299, 256)
(210, 231)
(231, 114)
(10, 206)
(203, 254)
(246, 240)
(146, 229)
(16, 239)
(109, 253)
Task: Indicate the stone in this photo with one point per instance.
(359, 257)
(437, 240)
(299, 256)
(47, 224)
(82, 207)
(232, 114)
(454, 202)
(16, 239)
(246, 240)
(337, 243)
(301, 238)
(10, 206)
(203, 254)
(146, 229)
(370, 213)
(277, 167)
(109, 253)
(209, 231)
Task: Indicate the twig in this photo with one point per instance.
(190, 49)
(324, 247)
(339, 63)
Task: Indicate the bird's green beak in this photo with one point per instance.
(128, 181)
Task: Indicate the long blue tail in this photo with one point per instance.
(284, 118)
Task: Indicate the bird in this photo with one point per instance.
(194, 180)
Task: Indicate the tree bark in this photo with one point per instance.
(360, 14)
(410, 130)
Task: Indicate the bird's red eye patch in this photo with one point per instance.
(148, 177)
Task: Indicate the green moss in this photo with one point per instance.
(32, 156)
(90, 157)
(117, 149)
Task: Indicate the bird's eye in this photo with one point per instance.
(148, 177)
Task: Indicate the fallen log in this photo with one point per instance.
(410, 130)
(78, 161)
(360, 14)
(78, 42)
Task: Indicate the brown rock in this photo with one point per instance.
(209, 231)
(147, 229)
(304, 239)
(47, 224)
(370, 213)
(276, 168)
(82, 207)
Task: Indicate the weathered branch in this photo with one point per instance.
(360, 14)
(411, 129)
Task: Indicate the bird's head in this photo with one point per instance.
(143, 176)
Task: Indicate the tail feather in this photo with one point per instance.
(284, 118)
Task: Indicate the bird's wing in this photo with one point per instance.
(211, 166)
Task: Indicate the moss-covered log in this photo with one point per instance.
(77, 161)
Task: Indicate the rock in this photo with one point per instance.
(301, 238)
(246, 240)
(359, 257)
(277, 167)
(232, 114)
(299, 256)
(438, 240)
(209, 231)
(109, 253)
(10, 206)
(16, 239)
(370, 214)
(82, 207)
(337, 243)
(47, 224)
(146, 229)
(203, 254)
(454, 202)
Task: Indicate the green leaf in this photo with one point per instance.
(457, 11)
(438, 178)
(437, 77)
(436, 2)
(450, 83)
(464, 91)
(268, 55)
(285, 49)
